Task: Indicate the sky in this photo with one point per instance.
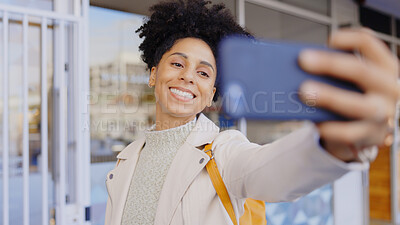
(112, 32)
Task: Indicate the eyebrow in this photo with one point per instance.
(201, 62)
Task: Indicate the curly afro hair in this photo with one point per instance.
(174, 20)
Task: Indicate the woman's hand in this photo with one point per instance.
(375, 72)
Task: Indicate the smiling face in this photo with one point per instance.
(184, 79)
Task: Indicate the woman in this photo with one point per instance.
(161, 178)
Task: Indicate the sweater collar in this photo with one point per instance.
(168, 138)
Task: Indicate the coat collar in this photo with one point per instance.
(204, 132)
(118, 179)
(132, 149)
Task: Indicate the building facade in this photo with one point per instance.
(74, 93)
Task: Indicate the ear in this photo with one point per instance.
(213, 92)
(212, 96)
(152, 78)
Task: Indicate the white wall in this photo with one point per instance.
(348, 203)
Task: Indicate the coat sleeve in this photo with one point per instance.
(281, 171)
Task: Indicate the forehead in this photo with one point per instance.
(194, 48)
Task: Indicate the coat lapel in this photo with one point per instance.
(180, 176)
(185, 167)
(119, 179)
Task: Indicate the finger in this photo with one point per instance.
(339, 150)
(347, 103)
(347, 67)
(358, 133)
(368, 45)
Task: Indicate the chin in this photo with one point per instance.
(176, 112)
(182, 113)
(179, 110)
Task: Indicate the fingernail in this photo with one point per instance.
(309, 87)
(309, 93)
(388, 140)
(309, 56)
(368, 30)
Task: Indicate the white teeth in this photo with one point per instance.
(182, 93)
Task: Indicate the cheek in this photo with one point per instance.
(161, 80)
(208, 90)
(159, 90)
(156, 93)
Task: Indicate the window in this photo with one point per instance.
(118, 82)
(37, 4)
(268, 23)
(121, 103)
(318, 6)
(375, 20)
(15, 107)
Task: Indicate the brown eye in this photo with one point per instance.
(203, 74)
(177, 64)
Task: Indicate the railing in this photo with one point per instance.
(58, 20)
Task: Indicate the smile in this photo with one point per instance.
(183, 94)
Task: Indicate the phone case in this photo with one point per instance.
(260, 80)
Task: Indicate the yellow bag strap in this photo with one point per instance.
(218, 183)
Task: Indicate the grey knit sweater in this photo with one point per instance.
(150, 172)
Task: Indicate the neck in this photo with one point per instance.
(166, 121)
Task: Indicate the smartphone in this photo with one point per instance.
(259, 79)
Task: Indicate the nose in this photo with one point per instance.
(187, 76)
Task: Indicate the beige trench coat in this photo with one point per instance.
(281, 171)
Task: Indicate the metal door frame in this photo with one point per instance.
(66, 213)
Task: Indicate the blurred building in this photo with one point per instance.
(121, 105)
